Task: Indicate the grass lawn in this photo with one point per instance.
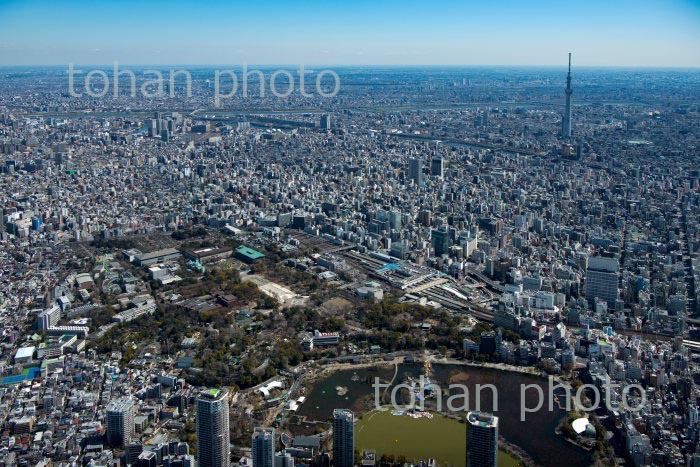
(441, 438)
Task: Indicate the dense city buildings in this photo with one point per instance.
(250, 251)
(243, 247)
(262, 281)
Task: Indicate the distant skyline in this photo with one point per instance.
(646, 33)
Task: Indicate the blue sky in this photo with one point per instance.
(353, 32)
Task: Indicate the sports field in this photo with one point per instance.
(441, 438)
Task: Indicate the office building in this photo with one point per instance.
(49, 318)
(440, 240)
(395, 218)
(482, 440)
(491, 342)
(425, 217)
(213, 441)
(601, 280)
(263, 447)
(343, 438)
(415, 171)
(284, 459)
(437, 167)
(120, 421)
(325, 122)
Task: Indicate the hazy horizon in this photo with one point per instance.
(313, 66)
